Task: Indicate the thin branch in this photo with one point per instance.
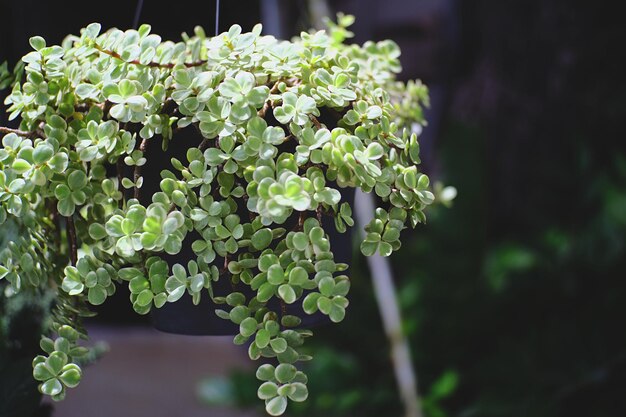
(22, 133)
(71, 238)
(316, 122)
(264, 109)
(149, 64)
(301, 219)
(268, 103)
(205, 141)
(204, 144)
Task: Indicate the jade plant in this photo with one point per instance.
(281, 126)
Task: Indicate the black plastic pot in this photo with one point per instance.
(183, 317)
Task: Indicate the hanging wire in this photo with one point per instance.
(217, 17)
(137, 13)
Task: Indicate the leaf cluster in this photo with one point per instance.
(282, 127)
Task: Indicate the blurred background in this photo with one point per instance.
(513, 300)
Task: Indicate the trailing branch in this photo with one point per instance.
(149, 64)
(316, 122)
(71, 238)
(22, 133)
(268, 103)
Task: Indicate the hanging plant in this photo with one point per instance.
(281, 127)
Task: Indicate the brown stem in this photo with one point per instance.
(204, 144)
(169, 107)
(264, 109)
(316, 122)
(268, 103)
(22, 133)
(301, 219)
(71, 238)
(149, 64)
(205, 141)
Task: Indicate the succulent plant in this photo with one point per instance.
(282, 126)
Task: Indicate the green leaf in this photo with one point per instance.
(300, 241)
(71, 375)
(97, 231)
(145, 298)
(336, 313)
(77, 180)
(299, 393)
(298, 276)
(324, 304)
(37, 42)
(170, 225)
(66, 207)
(91, 31)
(3, 272)
(287, 293)
(265, 372)
(368, 248)
(96, 295)
(279, 345)
(276, 406)
(290, 321)
(51, 387)
(41, 372)
(235, 299)
(262, 338)
(55, 362)
(248, 327)
(20, 166)
(267, 390)
(261, 238)
(385, 249)
(275, 275)
(309, 304)
(266, 261)
(42, 153)
(327, 286)
(86, 90)
(285, 373)
(265, 292)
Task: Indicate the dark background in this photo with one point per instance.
(514, 299)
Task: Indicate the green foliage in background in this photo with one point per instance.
(281, 127)
(528, 323)
(23, 317)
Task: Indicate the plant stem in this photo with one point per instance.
(22, 133)
(71, 238)
(301, 219)
(268, 103)
(149, 64)
(316, 122)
